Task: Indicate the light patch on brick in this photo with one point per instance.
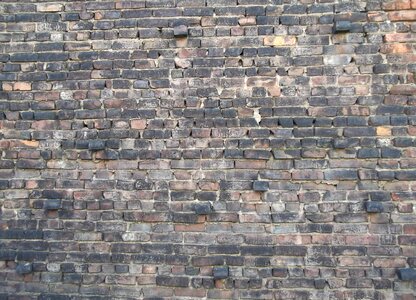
(280, 41)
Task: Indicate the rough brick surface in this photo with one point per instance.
(220, 149)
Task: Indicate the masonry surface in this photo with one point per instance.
(220, 149)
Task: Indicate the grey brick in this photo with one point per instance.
(260, 186)
(340, 174)
(220, 272)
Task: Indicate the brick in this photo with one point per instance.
(340, 175)
(383, 131)
(202, 208)
(337, 60)
(140, 138)
(400, 37)
(22, 86)
(49, 7)
(342, 26)
(279, 41)
(180, 31)
(24, 268)
(52, 204)
(220, 272)
(96, 145)
(260, 186)
(409, 15)
(403, 90)
(378, 207)
(407, 274)
(395, 48)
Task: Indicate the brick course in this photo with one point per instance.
(220, 149)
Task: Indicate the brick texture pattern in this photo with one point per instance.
(221, 149)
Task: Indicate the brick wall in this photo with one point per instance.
(260, 149)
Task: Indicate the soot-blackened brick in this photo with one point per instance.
(24, 268)
(180, 139)
(407, 274)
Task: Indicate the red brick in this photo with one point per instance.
(400, 37)
(409, 15)
(396, 48)
(402, 4)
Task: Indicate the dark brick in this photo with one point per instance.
(224, 249)
(21, 234)
(341, 175)
(24, 268)
(368, 153)
(342, 26)
(359, 131)
(24, 57)
(257, 250)
(378, 207)
(180, 31)
(220, 272)
(143, 185)
(380, 196)
(202, 208)
(96, 145)
(260, 186)
(279, 272)
(52, 204)
(172, 281)
(405, 175)
(407, 274)
(7, 255)
(390, 153)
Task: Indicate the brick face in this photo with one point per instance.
(207, 149)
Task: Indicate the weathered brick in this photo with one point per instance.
(409, 15)
(49, 7)
(138, 139)
(279, 41)
(24, 268)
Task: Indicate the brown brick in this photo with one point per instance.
(403, 89)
